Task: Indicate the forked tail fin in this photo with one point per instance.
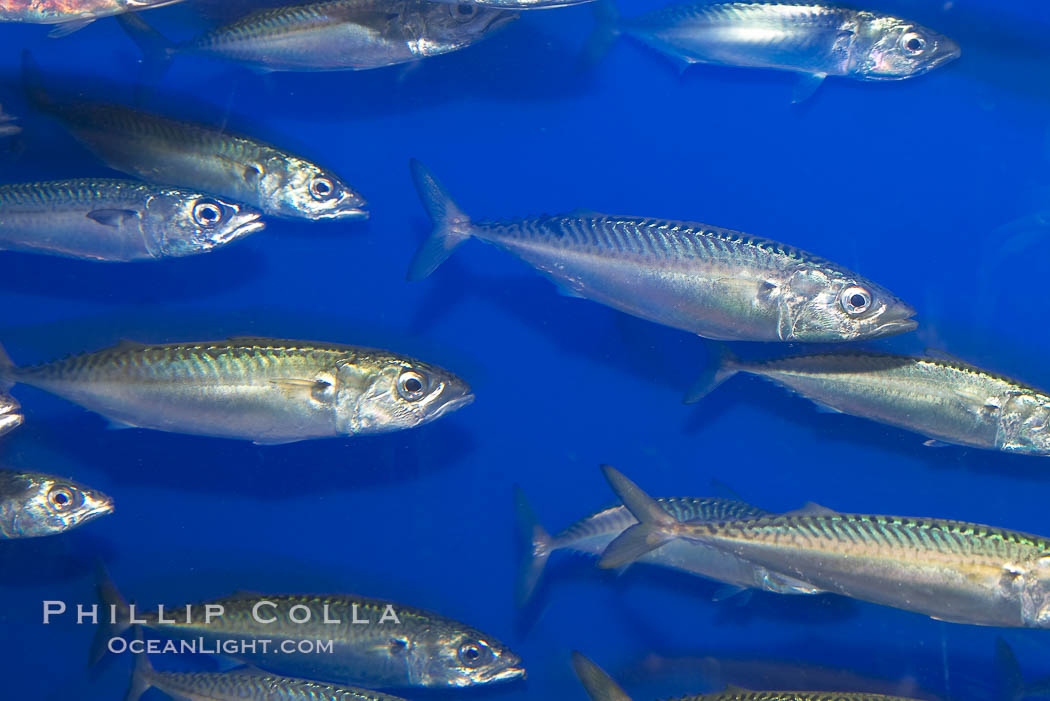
(451, 225)
(724, 366)
(599, 685)
(654, 528)
(538, 545)
(114, 618)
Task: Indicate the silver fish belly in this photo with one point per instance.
(943, 400)
(349, 34)
(34, 504)
(264, 390)
(807, 38)
(117, 220)
(10, 413)
(713, 282)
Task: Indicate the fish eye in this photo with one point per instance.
(398, 646)
(411, 385)
(321, 188)
(464, 11)
(207, 213)
(855, 300)
(475, 653)
(62, 497)
(913, 43)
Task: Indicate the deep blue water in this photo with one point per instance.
(905, 182)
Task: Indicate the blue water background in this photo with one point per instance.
(904, 182)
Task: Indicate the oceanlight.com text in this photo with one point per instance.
(234, 648)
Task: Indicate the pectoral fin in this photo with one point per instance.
(67, 28)
(934, 443)
(807, 85)
(112, 217)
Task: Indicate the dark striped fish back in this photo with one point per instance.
(737, 694)
(261, 686)
(682, 508)
(86, 191)
(933, 535)
(281, 20)
(804, 16)
(657, 239)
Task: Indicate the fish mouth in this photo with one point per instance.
(894, 327)
(350, 214)
(454, 404)
(247, 228)
(501, 20)
(505, 674)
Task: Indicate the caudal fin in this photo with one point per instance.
(538, 544)
(7, 369)
(606, 30)
(721, 368)
(654, 527)
(157, 50)
(114, 617)
(140, 677)
(451, 225)
(599, 685)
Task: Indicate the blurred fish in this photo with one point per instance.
(713, 282)
(807, 38)
(117, 220)
(338, 35)
(70, 15)
(945, 400)
(591, 535)
(34, 504)
(241, 685)
(948, 570)
(265, 390)
(199, 157)
(399, 646)
(10, 413)
(601, 687)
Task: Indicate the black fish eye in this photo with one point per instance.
(464, 11)
(855, 300)
(411, 385)
(913, 43)
(207, 213)
(61, 497)
(475, 653)
(321, 188)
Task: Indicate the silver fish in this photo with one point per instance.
(241, 685)
(812, 39)
(199, 157)
(338, 35)
(117, 220)
(593, 534)
(71, 15)
(260, 389)
(34, 504)
(712, 282)
(946, 400)
(10, 413)
(948, 570)
(399, 646)
(522, 4)
(601, 687)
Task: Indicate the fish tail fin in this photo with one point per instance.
(114, 608)
(606, 30)
(599, 685)
(725, 365)
(7, 371)
(654, 528)
(140, 677)
(451, 225)
(157, 50)
(538, 542)
(33, 82)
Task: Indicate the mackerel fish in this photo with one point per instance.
(34, 504)
(591, 536)
(709, 281)
(260, 389)
(338, 35)
(118, 220)
(199, 157)
(239, 685)
(945, 400)
(71, 15)
(948, 570)
(374, 642)
(810, 39)
(601, 687)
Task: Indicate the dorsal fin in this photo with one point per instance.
(126, 344)
(811, 508)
